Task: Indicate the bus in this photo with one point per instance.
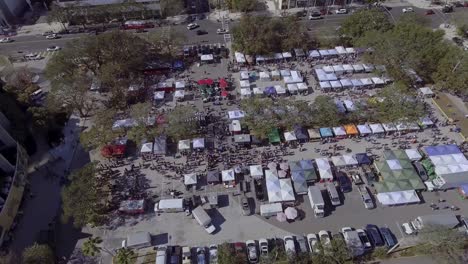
(137, 25)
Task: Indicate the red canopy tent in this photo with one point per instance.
(161, 119)
(110, 151)
(223, 83)
(224, 93)
(205, 82)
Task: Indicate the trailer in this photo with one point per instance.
(169, 206)
(316, 201)
(445, 220)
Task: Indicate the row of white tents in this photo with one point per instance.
(292, 88)
(196, 143)
(338, 51)
(351, 83)
(350, 68)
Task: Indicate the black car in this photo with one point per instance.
(201, 32)
(388, 236)
(374, 235)
(176, 253)
(421, 171)
(447, 9)
(345, 183)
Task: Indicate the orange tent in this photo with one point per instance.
(351, 130)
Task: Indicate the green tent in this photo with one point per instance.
(274, 136)
(310, 175)
(427, 164)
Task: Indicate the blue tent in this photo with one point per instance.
(178, 65)
(301, 133)
(269, 90)
(306, 164)
(442, 150)
(326, 132)
(362, 158)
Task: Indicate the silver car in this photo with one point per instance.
(366, 198)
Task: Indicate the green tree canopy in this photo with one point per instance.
(446, 245)
(227, 255)
(20, 82)
(395, 103)
(452, 72)
(100, 133)
(124, 256)
(81, 199)
(140, 112)
(364, 21)
(181, 123)
(172, 7)
(256, 35)
(38, 254)
(91, 246)
(325, 112)
(242, 5)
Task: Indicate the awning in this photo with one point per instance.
(245, 84)
(389, 127)
(339, 131)
(159, 95)
(376, 128)
(244, 138)
(326, 132)
(274, 136)
(190, 179)
(351, 129)
(364, 129)
(206, 57)
(179, 94)
(290, 136)
(314, 53)
(180, 84)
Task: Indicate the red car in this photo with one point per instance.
(429, 12)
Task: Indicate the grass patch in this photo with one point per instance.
(149, 257)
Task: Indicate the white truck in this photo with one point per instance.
(203, 219)
(137, 240)
(169, 206)
(316, 201)
(353, 242)
(446, 220)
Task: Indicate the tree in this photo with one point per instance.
(38, 254)
(395, 103)
(81, 199)
(101, 132)
(325, 112)
(242, 5)
(255, 35)
(140, 112)
(115, 59)
(167, 44)
(20, 82)
(227, 255)
(91, 246)
(462, 30)
(452, 72)
(447, 245)
(363, 21)
(171, 7)
(59, 14)
(404, 47)
(181, 123)
(124, 256)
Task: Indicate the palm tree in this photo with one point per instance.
(124, 256)
(90, 246)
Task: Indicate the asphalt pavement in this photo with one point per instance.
(37, 43)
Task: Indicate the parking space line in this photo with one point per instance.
(399, 229)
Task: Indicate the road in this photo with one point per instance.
(38, 43)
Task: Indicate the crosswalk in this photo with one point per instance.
(46, 54)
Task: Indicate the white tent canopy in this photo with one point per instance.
(290, 136)
(246, 92)
(302, 87)
(401, 197)
(180, 84)
(376, 128)
(256, 171)
(346, 83)
(244, 83)
(357, 83)
(367, 82)
(280, 89)
(235, 126)
(287, 192)
(314, 53)
(338, 161)
(358, 67)
(389, 127)
(324, 169)
(244, 75)
(240, 58)
(338, 69)
(179, 94)
(426, 91)
(339, 131)
(335, 84)
(364, 129)
(378, 81)
(292, 88)
(413, 154)
(426, 121)
(349, 105)
(159, 95)
(328, 69)
(190, 179)
(198, 143)
(350, 160)
(147, 148)
(368, 67)
(325, 85)
(236, 114)
(264, 76)
(285, 72)
(258, 90)
(207, 57)
(227, 175)
(184, 144)
(348, 68)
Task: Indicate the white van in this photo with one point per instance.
(32, 56)
(169, 206)
(333, 193)
(161, 255)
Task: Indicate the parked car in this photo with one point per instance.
(240, 250)
(53, 48)
(222, 31)
(313, 241)
(186, 255)
(252, 253)
(388, 237)
(345, 183)
(408, 10)
(6, 40)
(213, 252)
(341, 11)
(201, 256)
(52, 36)
(245, 206)
(364, 239)
(301, 13)
(429, 12)
(175, 256)
(289, 245)
(374, 235)
(315, 16)
(201, 32)
(302, 242)
(263, 243)
(192, 26)
(421, 171)
(366, 198)
(357, 179)
(447, 9)
(324, 238)
(408, 228)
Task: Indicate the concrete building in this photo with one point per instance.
(11, 10)
(13, 172)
